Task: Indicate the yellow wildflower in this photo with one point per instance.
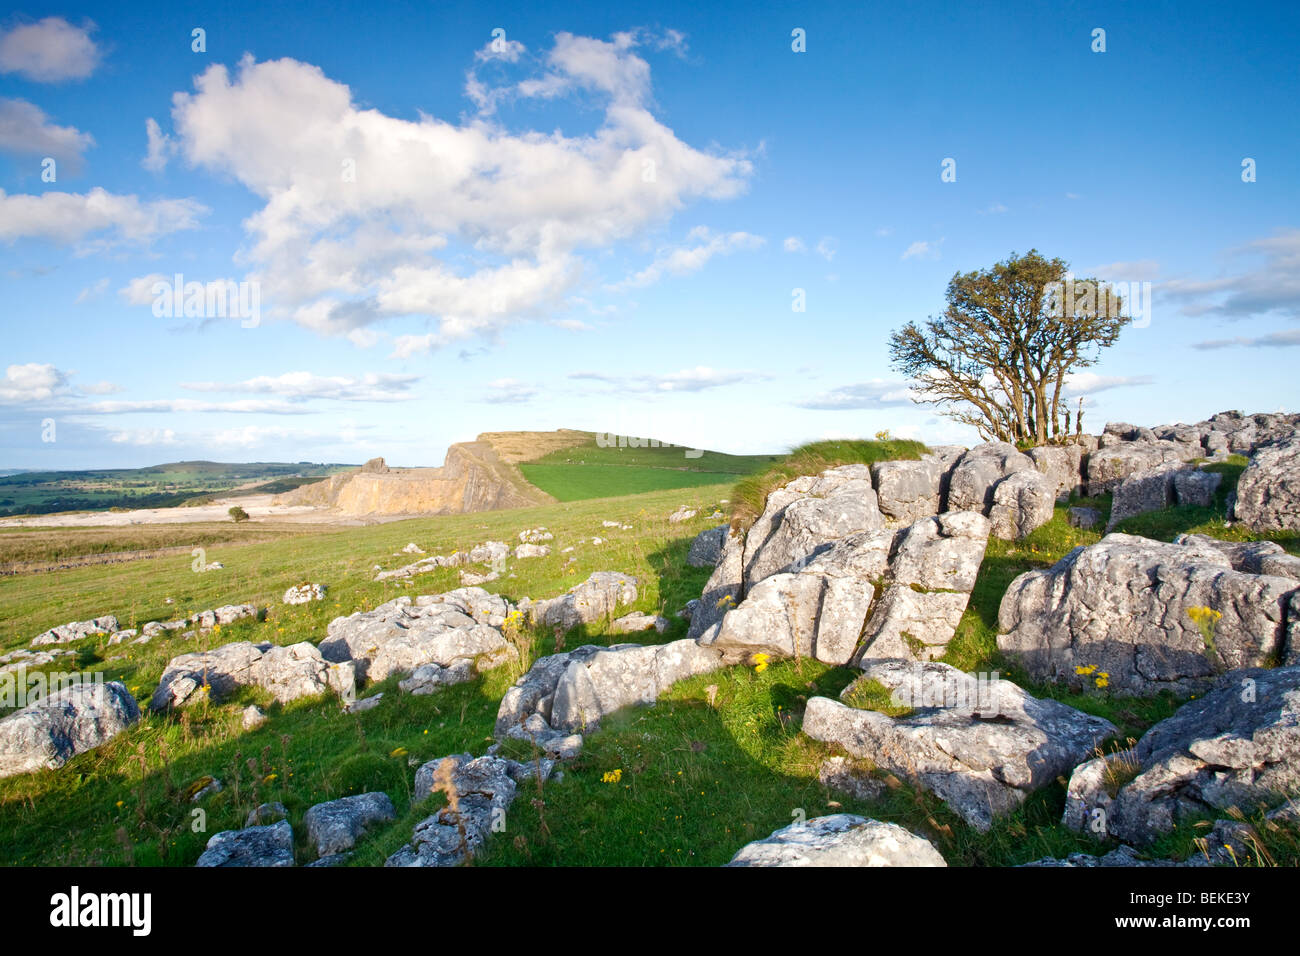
(612, 776)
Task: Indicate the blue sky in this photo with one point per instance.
(599, 219)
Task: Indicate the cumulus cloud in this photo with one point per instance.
(32, 382)
(49, 50)
(876, 393)
(827, 247)
(337, 252)
(72, 217)
(701, 246)
(143, 436)
(93, 291)
(25, 130)
(793, 244)
(160, 146)
(1272, 286)
(1089, 383)
(696, 379)
(922, 249)
(302, 386)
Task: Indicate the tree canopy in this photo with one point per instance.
(999, 355)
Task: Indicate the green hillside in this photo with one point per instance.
(588, 470)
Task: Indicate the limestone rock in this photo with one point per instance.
(982, 755)
(484, 792)
(76, 631)
(638, 621)
(723, 590)
(840, 840)
(1083, 518)
(252, 846)
(979, 470)
(1063, 465)
(1120, 608)
(1022, 502)
(1268, 492)
(706, 549)
(335, 826)
(596, 598)
(51, 731)
(304, 594)
(909, 490)
(1107, 467)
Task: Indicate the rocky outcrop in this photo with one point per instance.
(909, 490)
(289, 673)
(492, 553)
(1122, 615)
(1268, 492)
(724, 588)
(979, 470)
(595, 599)
(1164, 486)
(483, 790)
(1109, 466)
(51, 731)
(1253, 557)
(335, 826)
(474, 477)
(76, 631)
(1237, 746)
(982, 750)
(1063, 466)
(1022, 502)
(304, 594)
(868, 595)
(400, 635)
(840, 840)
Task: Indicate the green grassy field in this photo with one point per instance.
(719, 761)
(591, 471)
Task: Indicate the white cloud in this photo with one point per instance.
(508, 391)
(335, 256)
(876, 393)
(71, 217)
(793, 244)
(683, 259)
(1286, 339)
(994, 210)
(25, 130)
(922, 249)
(501, 48)
(884, 231)
(1089, 383)
(32, 382)
(49, 51)
(1271, 287)
(301, 386)
(696, 379)
(827, 247)
(244, 406)
(161, 146)
(93, 291)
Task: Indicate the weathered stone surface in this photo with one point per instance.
(266, 813)
(1107, 467)
(724, 588)
(535, 535)
(429, 678)
(981, 759)
(252, 846)
(706, 549)
(807, 513)
(532, 551)
(838, 773)
(595, 598)
(1268, 492)
(484, 791)
(1143, 491)
(76, 631)
(290, 672)
(252, 717)
(1022, 502)
(1237, 746)
(1195, 487)
(1120, 608)
(304, 594)
(979, 470)
(335, 826)
(51, 731)
(492, 553)
(1253, 557)
(1120, 856)
(842, 839)
(1092, 789)
(1063, 465)
(683, 513)
(624, 675)
(909, 490)
(399, 636)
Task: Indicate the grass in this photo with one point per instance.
(811, 459)
(589, 470)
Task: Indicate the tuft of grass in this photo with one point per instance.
(751, 493)
(867, 693)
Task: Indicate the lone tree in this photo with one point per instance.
(998, 356)
(237, 514)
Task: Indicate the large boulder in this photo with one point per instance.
(807, 513)
(1022, 502)
(51, 731)
(336, 825)
(1108, 466)
(1063, 465)
(909, 490)
(401, 635)
(1253, 557)
(977, 472)
(840, 840)
(1237, 746)
(252, 846)
(1116, 615)
(595, 599)
(289, 673)
(1150, 490)
(1268, 491)
(706, 549)
(980, 744)
(76, 631)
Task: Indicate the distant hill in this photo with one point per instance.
(157, 486)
